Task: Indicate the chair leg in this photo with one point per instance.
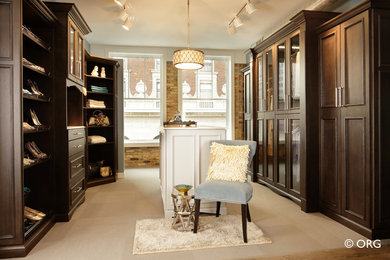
(197, 209)
(218, 208)
(243, 215)
(248, 213)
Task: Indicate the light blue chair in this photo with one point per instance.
(227, 191)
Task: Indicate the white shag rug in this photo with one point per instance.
(157, 235)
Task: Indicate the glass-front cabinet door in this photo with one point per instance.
(72, 50)
(260, 147)
(281, 70)
(281, 152)
(260, 83)
(270, 149)
(294, 72)
(295, 155)
(269, 81)
(80, 57)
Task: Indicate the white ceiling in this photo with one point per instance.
(163, 22)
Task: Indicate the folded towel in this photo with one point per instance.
(96, 139)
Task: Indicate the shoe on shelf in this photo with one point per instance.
(27, 126)
(34, 88)
(28, 161)
(35, 146)
(34, 150)
(25, 91)
(31, 216)
(34, 118)
(34, 211)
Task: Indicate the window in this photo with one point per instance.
(142, 77)
(205, 93)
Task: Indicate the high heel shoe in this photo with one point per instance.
(34, 118)
(34, 87)
(27, 127)
(35, 146)
(34, 150)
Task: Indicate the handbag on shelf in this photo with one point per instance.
(105, 171)
(94, 169)
(98, 119)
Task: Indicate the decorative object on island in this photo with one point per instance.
(188, 59)
(183, 123)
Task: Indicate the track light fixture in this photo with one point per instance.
(236, 21)
(250, 7)
(121, 3)
(231, 29)
(127, 24)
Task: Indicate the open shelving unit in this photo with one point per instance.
(103, 151)
(37, 41)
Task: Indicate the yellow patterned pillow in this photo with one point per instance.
(228, 162)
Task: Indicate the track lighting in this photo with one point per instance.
(231, 29)
(237, 22)
(123, 15)
(121, 3)
(250, 8)
(127, 24)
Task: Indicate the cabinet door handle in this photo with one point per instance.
(341, 96)
(336, 90)
(77, 166)
(78, 190)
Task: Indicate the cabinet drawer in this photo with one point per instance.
(77, 191)
(77, 166)
(76, 133)
(76, 146)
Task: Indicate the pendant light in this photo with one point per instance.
(188, 59)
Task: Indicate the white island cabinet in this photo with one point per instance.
(184, 159)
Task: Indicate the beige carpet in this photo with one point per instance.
(156, 235)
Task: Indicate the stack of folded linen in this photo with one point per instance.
(99, 89)
(95, 103)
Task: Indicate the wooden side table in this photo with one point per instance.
(183, 207)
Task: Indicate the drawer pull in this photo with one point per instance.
(77, 146)
(77, 166)
(78, 190)
(78, 133)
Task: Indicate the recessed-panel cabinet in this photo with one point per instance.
(352, 118)
(287, 112)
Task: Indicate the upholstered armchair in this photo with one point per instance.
(228, 191)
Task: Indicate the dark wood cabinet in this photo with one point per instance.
(26, 64)
(101, 89)
(248, 102)
(70, 129)
(351, 91)
(285, 81)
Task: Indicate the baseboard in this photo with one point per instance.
(280, 192)
(120, 175)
